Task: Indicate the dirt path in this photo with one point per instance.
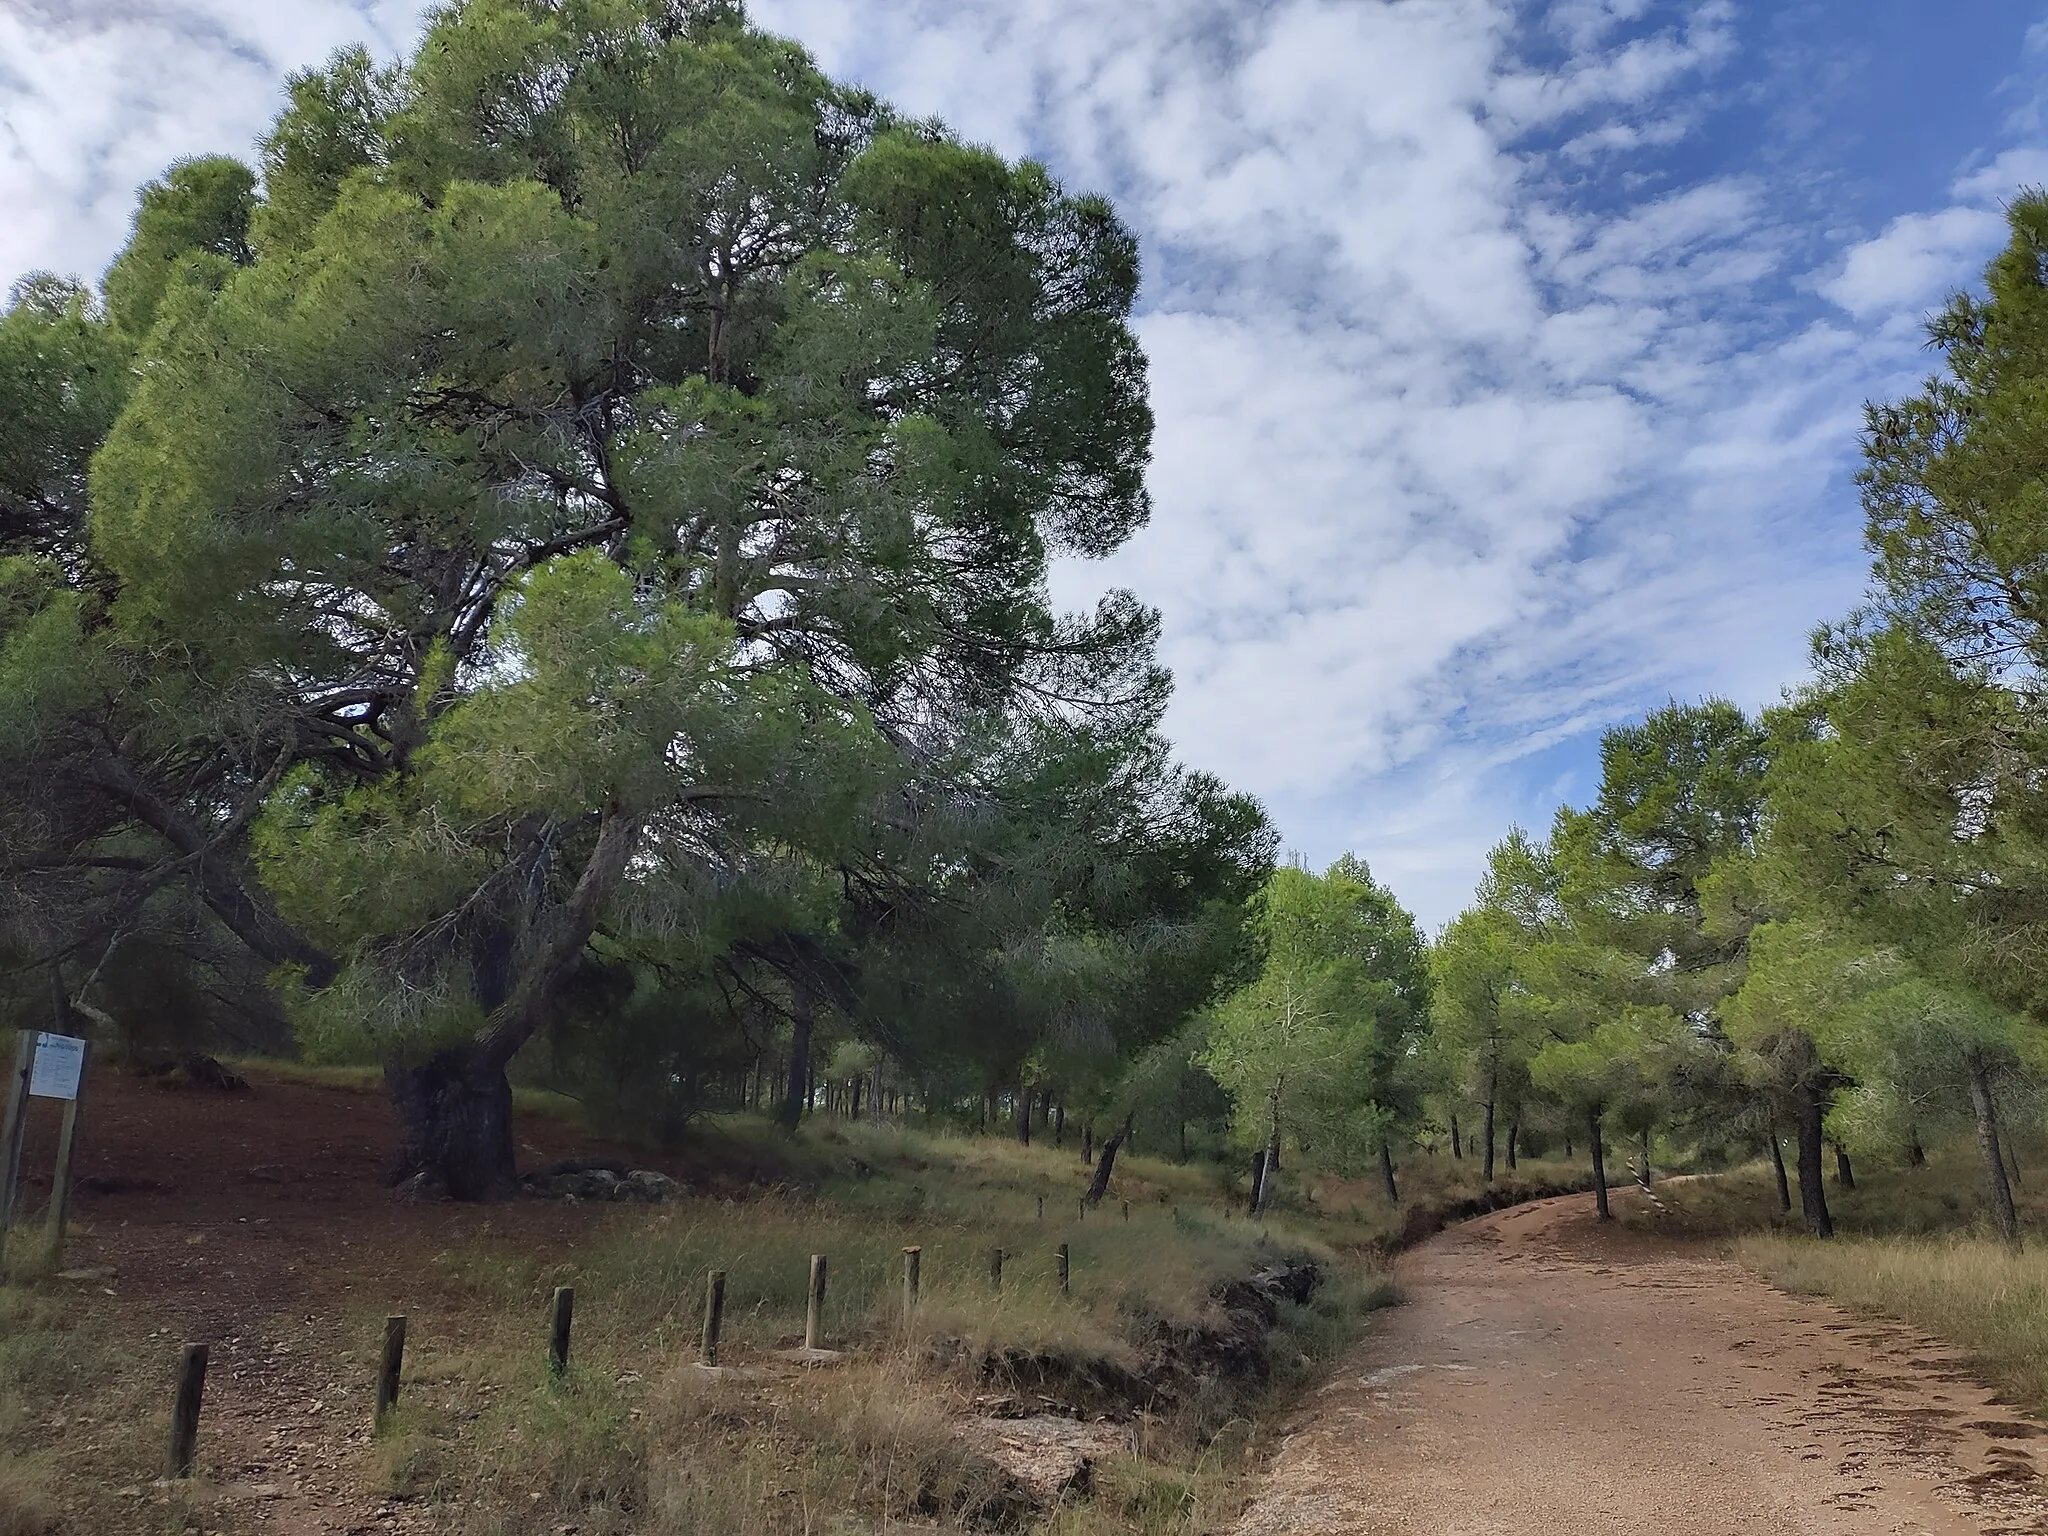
(1548, 1375)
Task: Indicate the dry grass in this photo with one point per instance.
(635, 1439)
(1970, 1291)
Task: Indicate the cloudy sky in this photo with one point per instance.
(1507, 356)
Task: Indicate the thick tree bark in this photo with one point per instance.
(1099, 1185)
(455, 1110)
(1599, 1165)
(1457, 1151)
(1985, 1104)
(1845, 1173)
(455, 1125)
(1808, 1109)
(1486, 1167)
(1387, 1173)
(1024, 1114)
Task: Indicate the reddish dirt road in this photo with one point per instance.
(1550, 1376)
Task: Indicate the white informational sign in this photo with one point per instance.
(60, 1059)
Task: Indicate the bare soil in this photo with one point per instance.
(259, 1224)
(1550, 1374)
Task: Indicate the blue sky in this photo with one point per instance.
(1508, 357)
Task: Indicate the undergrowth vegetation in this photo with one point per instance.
(1173, 1393)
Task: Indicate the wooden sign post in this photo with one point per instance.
(12, 1121)
(46, 1066)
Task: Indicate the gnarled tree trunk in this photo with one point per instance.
(455, 1109)
(455, 1124)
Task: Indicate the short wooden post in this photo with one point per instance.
(185, 1410)
(390, 1368)
(1127, 1210)
(1066, 1261)
(714, 1313)
(558, 1335)
(913, 1261)
(12, 1124)
(67, 1141)
(995, 1268)
(814, 1308)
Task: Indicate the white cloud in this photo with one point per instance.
(1457, 460)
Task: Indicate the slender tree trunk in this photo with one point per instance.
(1087, 1141)
(1099, 1185)
(1486, 1133)
(1387, 1173)
(1514, 1137)
(1023, 1114)
(1258, 1201)
(1457, 1151)
(1813, 1198)
(1567, 1146)
(1271, 1163)
(2012, 1159)
(1599, 1165)
(1778, 1167)
(853, 1109)
(798, 1089)
(1985, 1103)
(1643, 1174)
(1845, 1172)
(1916, 1155)
(1059, 1123)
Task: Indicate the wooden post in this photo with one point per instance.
(185, 1410)
(1127, 1210)
(67, 1141)
(714, 1313)
(558, 1335)
(995, 1268)
(390, 1369)
(913, 1259)
(1066, 1260)
(814, 1308)
(12, 1125)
